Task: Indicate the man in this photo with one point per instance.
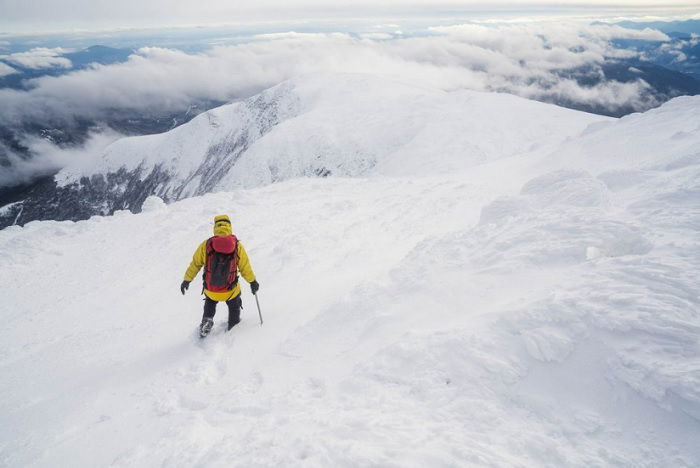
(222, 257)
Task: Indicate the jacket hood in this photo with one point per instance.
(222, 225)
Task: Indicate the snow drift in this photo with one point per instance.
(530, 301)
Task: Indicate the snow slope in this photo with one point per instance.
(536, 309)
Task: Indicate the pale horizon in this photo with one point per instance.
(83, 17)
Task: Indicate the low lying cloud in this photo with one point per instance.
(49, 158)
(515, 58)
(40, 57)
(557, 32)
(6, 70)
(525, 59)
(675, 48)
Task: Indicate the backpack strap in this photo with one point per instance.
(208, 249)
(234, 263)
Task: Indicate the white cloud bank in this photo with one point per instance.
(5, 69)
(518, 58)
(49, 158)
(40, 57)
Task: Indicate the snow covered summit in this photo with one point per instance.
(316, 125)
(345, 125)
(529, 301)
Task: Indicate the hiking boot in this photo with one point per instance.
(233, 324)
(205, 326)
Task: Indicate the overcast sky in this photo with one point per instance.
(35, 16)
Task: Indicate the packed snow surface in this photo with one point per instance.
(535, 309)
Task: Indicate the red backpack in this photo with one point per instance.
(221, 269)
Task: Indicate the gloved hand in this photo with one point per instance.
(184, 286)
(254, 286)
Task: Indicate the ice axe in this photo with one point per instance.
(258, 304)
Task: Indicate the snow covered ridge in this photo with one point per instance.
(317, 125)
(345, 125)
(535, 310)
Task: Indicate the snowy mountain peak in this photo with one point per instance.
(533, 301)
(344, 125)
(315, 125)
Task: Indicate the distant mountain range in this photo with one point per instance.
(685, 27)
(681, 54)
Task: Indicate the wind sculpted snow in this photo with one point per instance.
(536, 309)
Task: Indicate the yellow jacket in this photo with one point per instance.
(222, 227)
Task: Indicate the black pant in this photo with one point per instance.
(234, 310)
